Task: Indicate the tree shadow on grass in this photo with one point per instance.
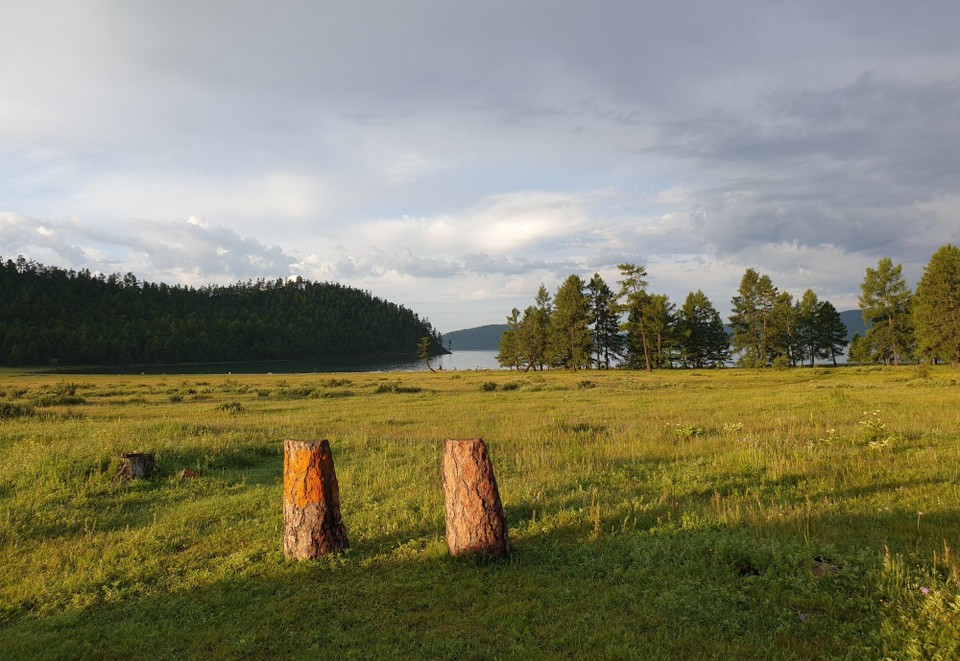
(653, 594)
(111, 505)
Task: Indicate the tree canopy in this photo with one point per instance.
(885, 303)
(51, 315)
(936, 312)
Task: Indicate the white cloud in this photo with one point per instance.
(415, 155)
(191, 252)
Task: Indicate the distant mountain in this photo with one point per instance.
(479, 338)
(853, 320)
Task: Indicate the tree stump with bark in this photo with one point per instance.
(475, 520)
(135, 465)
(312, 525)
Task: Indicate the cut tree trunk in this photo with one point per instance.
(476, 522)
(135, 465)
(312, 525)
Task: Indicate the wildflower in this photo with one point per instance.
(925, 591)
(803, 617)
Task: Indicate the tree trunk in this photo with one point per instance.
(476, 522)
(135, 465)
(312, 525)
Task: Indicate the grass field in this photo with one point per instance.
(809, 513)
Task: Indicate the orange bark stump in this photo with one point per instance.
(476, 522)
(312, 525)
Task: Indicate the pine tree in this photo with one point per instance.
(509, 347)
(808, 339)
(633, 289)
(861, 350)
(702, 338)
(936, 313)
(534, 331)
(831, 331)
(659, 320)
(885, 303)
(607, 342)
(751, 319)
(782, 341)
(569, 339)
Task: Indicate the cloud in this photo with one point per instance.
(192, 252)
(851, 166)
(454, 155)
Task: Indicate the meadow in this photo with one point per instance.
(804, 513)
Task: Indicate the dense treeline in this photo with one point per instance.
(51, 315)
(589, 325)
(907, 326)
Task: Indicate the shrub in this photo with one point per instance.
(62, 394)
(8, 410)
(231, 407)
(488, 386)
(336, 394)
(58, 400)
(781, 363)
(396, 387)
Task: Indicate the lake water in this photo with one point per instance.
(458, 360)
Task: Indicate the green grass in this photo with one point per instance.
(809, 513)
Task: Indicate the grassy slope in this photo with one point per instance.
(672, 515)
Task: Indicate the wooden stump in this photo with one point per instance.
(135, 465)
(312, 525)
(476, 522)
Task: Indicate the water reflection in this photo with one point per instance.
(459, 360)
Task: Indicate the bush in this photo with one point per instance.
(8, 411)
(396, 387)
(336, 394)
(58, 400)
(62, 394)
(488, 386)
(231, 407)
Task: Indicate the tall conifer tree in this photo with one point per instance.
(703, 340)
(607, 343)
(885, 303)
(936, 313)
(633, 291)
(570, 340)
(751, 319)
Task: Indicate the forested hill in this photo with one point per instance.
(482, 337)
(49, 315)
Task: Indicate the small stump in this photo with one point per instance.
(476, 522)
(312, 525)
(135, 465)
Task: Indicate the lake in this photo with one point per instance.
(458, 360)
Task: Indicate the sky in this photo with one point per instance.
(452, 156)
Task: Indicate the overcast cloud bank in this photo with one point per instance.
(452, 158)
